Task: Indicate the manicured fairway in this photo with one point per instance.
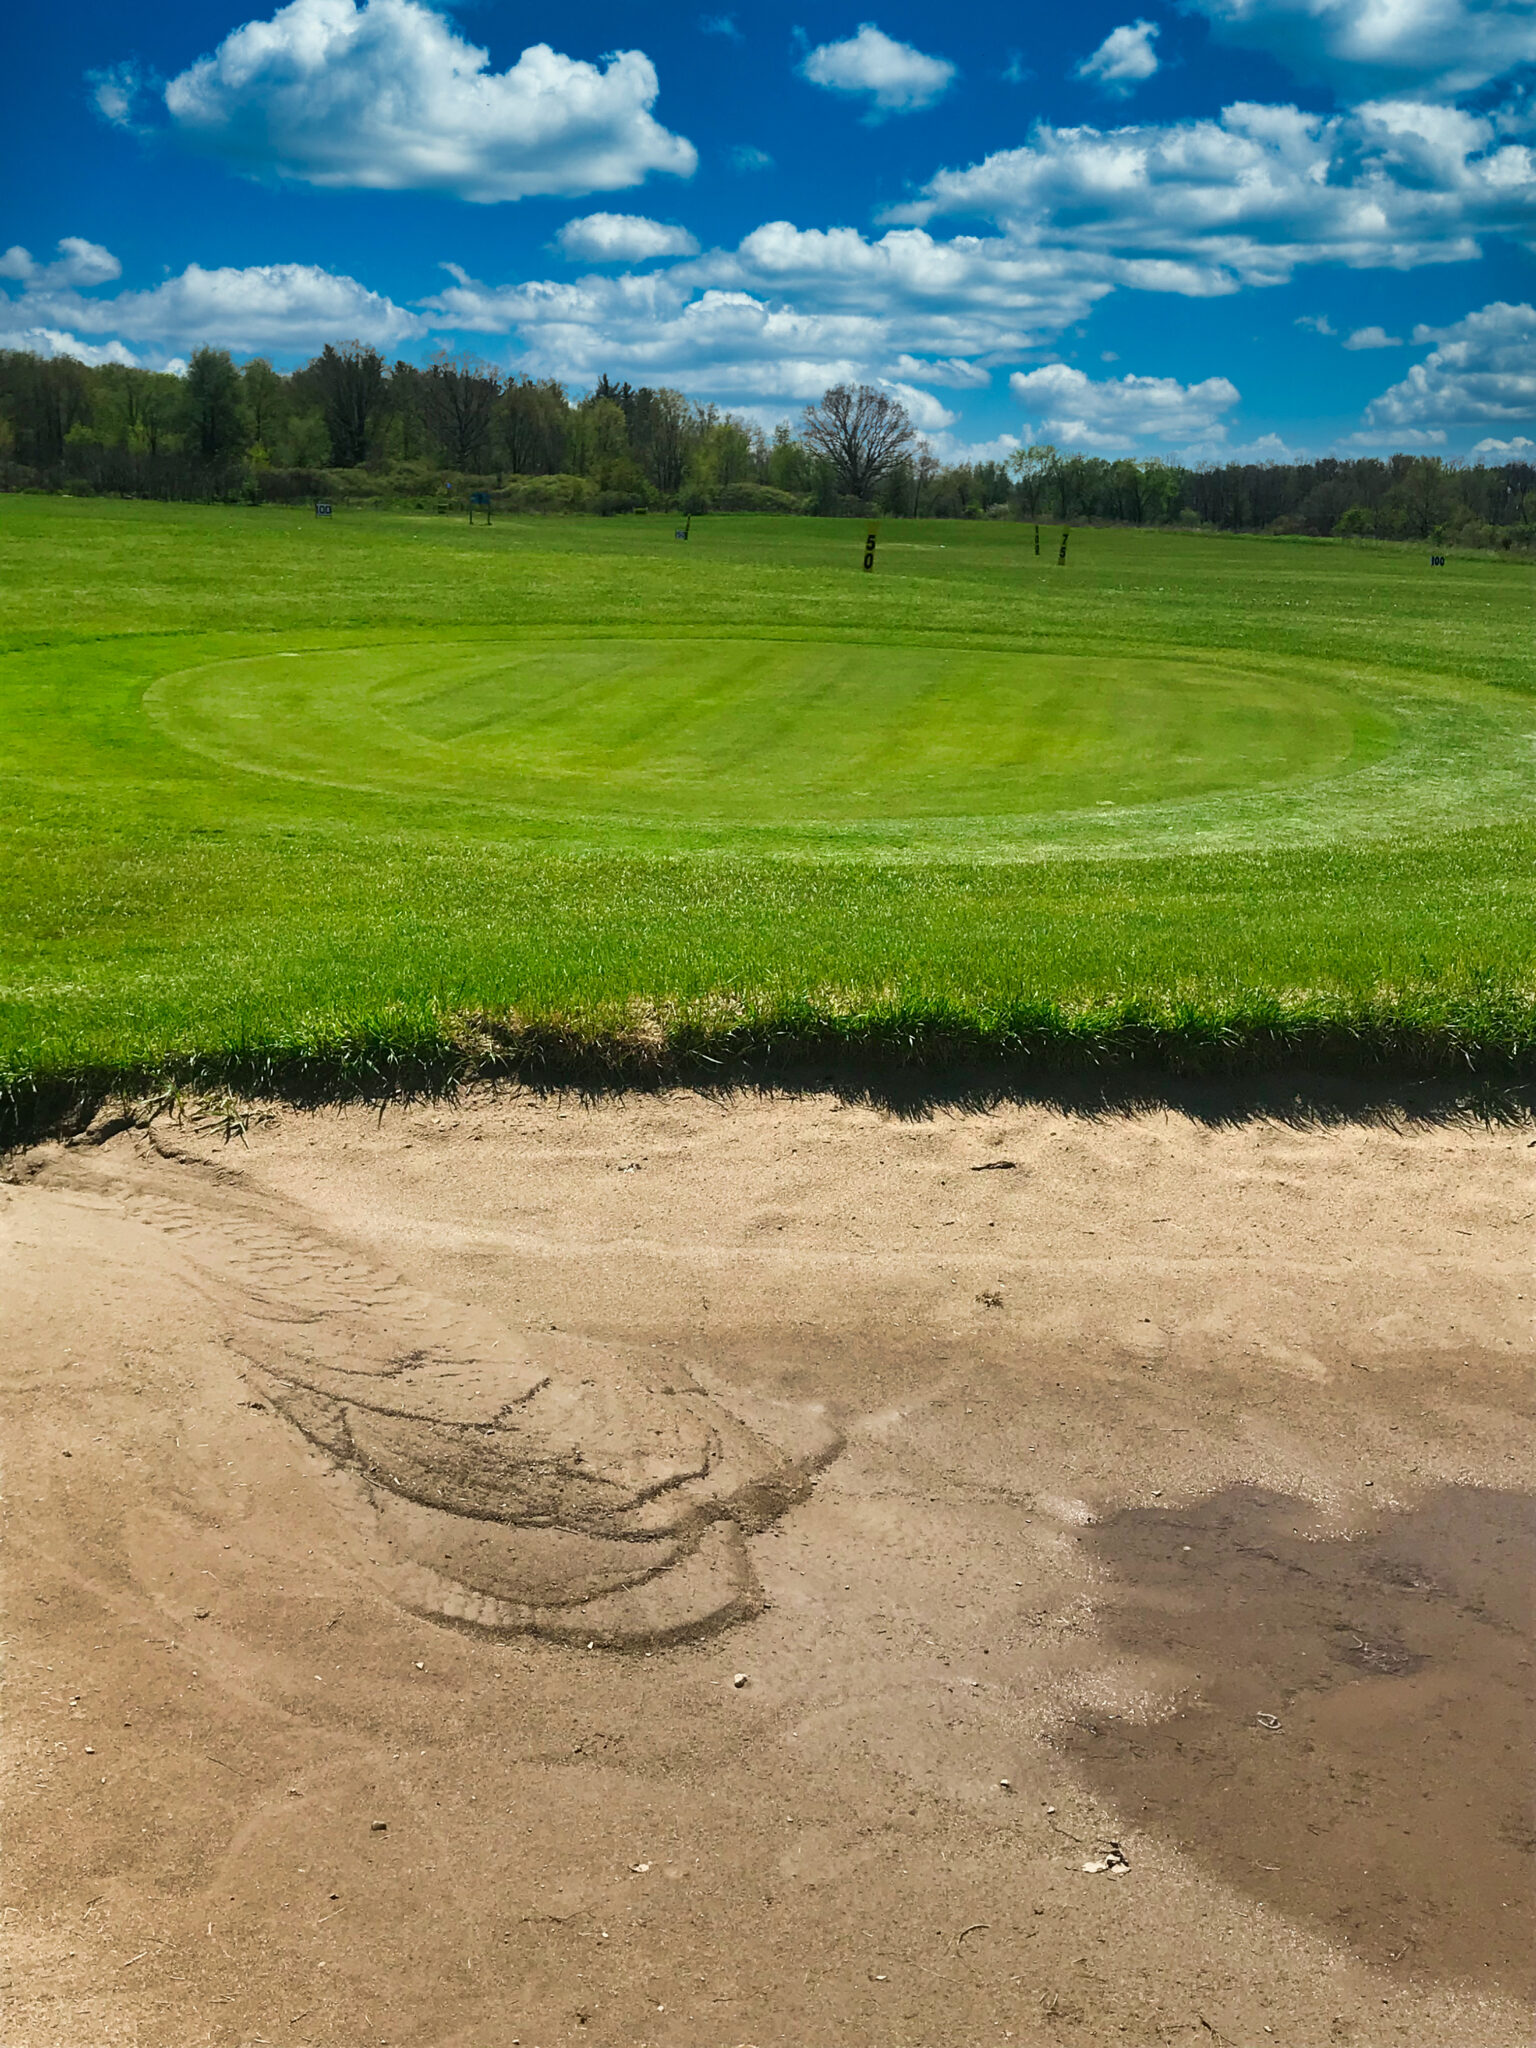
(278, 789)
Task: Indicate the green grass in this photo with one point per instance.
(384, 796)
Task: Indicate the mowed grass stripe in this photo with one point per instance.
(794, 735)
(1316, 833)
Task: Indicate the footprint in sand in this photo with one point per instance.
(510, 1483)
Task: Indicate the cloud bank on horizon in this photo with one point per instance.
(906, 201)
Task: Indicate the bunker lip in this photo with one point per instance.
(1322, 1063)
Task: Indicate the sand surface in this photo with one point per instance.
(392, 1505)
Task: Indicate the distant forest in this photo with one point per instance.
(353, 428)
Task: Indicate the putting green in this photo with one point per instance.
(725, 731)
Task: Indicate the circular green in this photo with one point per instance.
(754, 732)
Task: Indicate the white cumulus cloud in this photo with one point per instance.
(952, 370)
(1484, 369)
(654, 329)
(897, 78)
(53, 341)
(1373, 337)
(792, 309)
(960, 297)
(1519, 448)
(1206, 206)
(387, 96)
(786, 313)
(78, 263)
(951, 450)
(1397, 440)
(1124, 59)
(1109, 415)
(926, 412)
(1264, 448)
(623, 238)
(282, 307)
(1440, 47)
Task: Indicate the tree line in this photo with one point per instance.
(351, 425)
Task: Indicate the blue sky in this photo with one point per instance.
(1222, 227)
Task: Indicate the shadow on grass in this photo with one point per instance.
(1377, 1069)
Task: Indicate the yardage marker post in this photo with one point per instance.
(869, 546)
(479, 501)
(1037, 540)
(322, 510)
(1061, 559)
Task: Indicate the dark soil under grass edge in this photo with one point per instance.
(1375, 1064)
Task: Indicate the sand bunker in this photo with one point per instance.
(1122, 1528)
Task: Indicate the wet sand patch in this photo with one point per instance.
(1356, 1742)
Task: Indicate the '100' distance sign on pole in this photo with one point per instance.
(869, 546)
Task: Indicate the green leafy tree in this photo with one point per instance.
(533, 424)
(1162, 487)
(1031, 469)
(264, 396)
(1422, 498)
(350, 387)
(599, 447)
(790, 467)
(722, 455)
(213, 419)
(661, 431)
(1356, 522)
(44, 397)
(457, 396)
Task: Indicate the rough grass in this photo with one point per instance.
(1254, 802)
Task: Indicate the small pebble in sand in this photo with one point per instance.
(739, 1680)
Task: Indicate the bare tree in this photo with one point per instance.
(862, 432)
